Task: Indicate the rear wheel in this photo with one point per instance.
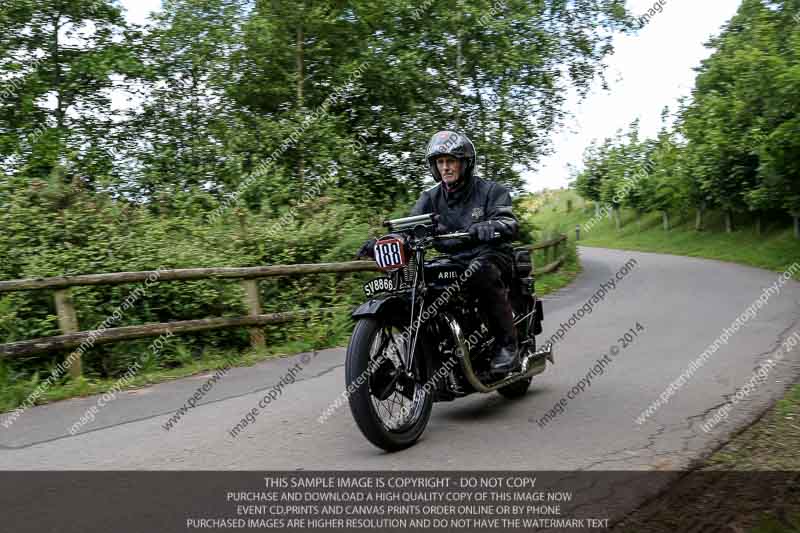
(390, 407)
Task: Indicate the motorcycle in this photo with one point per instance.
(421, 338)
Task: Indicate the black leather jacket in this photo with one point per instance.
(477, 201)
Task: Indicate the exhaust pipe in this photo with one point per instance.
(532, 364)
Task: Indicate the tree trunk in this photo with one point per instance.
(665, 219)
(501, 120)
(597, 209)
(459, 64)
(243, 230)
(57, 82)
(698, 224)
(728, 221)
(617, 218)
(193, 119)
(481, 118)
(796, 217)
(300, 67)
(758, 224)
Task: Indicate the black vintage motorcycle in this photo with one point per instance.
(421, 338)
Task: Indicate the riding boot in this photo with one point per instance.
(501, 320)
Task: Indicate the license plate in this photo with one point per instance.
(378, 285)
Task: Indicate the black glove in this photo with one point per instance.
(367, 249)
(484, 231)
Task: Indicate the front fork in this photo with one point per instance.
(417, 303)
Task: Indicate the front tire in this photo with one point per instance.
(369, 412)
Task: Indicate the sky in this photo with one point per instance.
(138, 10)
(649, 69)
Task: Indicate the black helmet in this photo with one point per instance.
(453, 144)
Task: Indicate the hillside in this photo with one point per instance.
(774, 249)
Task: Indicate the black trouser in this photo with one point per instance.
(489, 283)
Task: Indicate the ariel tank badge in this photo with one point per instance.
(477, 214)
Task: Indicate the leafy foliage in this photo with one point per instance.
(237, 133)
(735, 145)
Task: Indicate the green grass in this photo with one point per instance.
(569, 270)
(776, 249)
(770, 524)
(14, 392)
(769, 444)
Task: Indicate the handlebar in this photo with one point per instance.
(464, 235)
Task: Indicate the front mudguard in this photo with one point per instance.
(388, 305)
(396, 310)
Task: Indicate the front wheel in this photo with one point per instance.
(390, 408)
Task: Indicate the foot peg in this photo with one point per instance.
(545, 351)
(506, 360)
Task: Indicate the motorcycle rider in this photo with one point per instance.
(465, 202)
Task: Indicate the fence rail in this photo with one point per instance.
(72, 337)
(185, 274)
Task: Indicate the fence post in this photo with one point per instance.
(68, 323)
(253, 303)
(548, 252)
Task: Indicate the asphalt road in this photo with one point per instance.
(683, 304)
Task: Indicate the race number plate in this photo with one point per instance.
(377, 285)
(389, 254)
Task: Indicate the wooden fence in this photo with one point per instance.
(72, 337)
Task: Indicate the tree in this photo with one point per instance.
(62, 59)
(184, 137)
(663, 186)
(733, 110)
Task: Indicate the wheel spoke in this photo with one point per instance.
(397, 411)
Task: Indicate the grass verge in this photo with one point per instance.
(775, 248)
(751, 484)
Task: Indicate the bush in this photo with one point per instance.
(72, 231)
